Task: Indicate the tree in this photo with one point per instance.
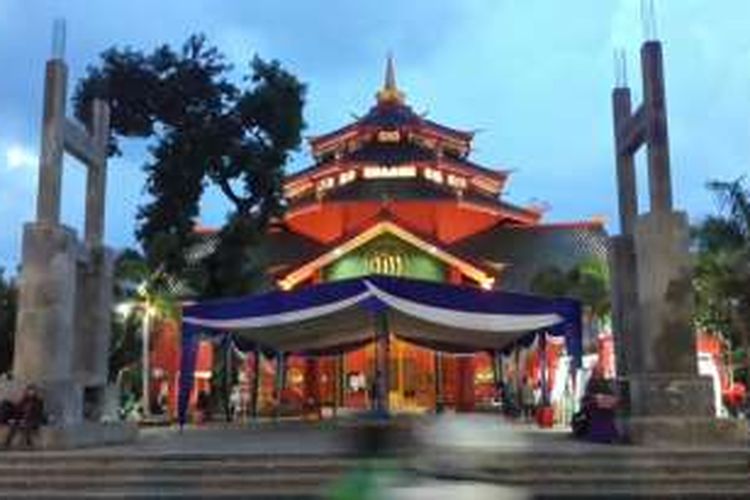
(144, 297)
(8, 312)
(204, 129)
(722, 277)
(587, 282)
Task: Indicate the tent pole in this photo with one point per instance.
(519, 378)
(280, 376)
(543, 356)
(339, 396)
(227, 378)
(383, 357)
(495, 367)
(256, 381)
(438, 361)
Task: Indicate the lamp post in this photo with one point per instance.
(145, 364)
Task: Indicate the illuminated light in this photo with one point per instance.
(326, 184)
(294, 190)
(124, 309)
(433, 175)
(456, 181)
(285, 285)
(389, 136)
(337, 251)
(433, 249)
(466, 268)
(347, 177)
(383, 172)
(386, 263)
(486, 184)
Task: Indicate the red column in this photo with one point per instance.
(465, 399)
(312, 380)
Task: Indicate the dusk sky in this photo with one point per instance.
(532, 76)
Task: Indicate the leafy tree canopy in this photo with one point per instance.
(205, 129)
(8, 311)
(722, 275)
(587, 282)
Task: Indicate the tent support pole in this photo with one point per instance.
(227, 378)
(383, 357)
(256, 380)
(496, 373)
(339, 396)
(544, 368)
(519, 377)
(280, 381)
(438, 361)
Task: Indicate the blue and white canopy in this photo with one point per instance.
(336, 316)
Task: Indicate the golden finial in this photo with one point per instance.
(390, 93)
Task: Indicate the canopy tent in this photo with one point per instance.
(338, 316)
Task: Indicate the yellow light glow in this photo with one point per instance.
(383, 172)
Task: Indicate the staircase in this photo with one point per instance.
(604, 472)
(57, 475)
(303, 462)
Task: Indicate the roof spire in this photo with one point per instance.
(390, 93)
(390, 73)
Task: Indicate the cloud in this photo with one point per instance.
(18, 176)
(18, 157)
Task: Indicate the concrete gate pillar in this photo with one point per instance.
(65, 299)
(652, 283)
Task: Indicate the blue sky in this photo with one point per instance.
(533, 76)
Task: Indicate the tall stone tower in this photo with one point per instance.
(652, 276)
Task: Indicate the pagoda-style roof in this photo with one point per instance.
(417, 189)
(392, 118)
(395, 154)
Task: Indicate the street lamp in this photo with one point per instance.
(148, 312)
(125, 309)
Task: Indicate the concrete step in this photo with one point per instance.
(645, 466)
(97, 481)
(705, 493)
(169, 494)
(209, 479)
(616, 474)
(626, 479)
(174, 466)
